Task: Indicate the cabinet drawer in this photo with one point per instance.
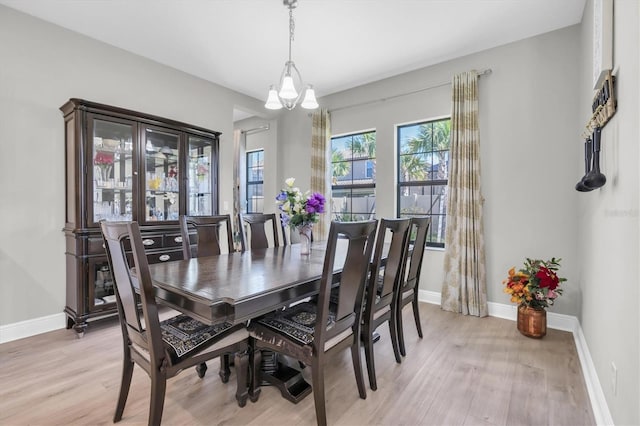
(173, 240)
(165, 256)
(149, 242)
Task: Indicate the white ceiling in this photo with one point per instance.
(339, 44)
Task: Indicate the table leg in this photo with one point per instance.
(287, 379)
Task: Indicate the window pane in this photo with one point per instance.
(255, 177)
(360, 169)
(428, 199)
(363, 203)
(353, 166)
(341, 205)
(423, 157)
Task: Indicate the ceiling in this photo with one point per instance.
(339, 44)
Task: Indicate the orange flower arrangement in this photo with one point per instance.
(537, 285)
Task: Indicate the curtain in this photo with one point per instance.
(464, 288)
(320, 137)
(237, 169)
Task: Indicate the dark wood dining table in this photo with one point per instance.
(239, 286)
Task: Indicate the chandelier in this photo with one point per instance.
(285, 94)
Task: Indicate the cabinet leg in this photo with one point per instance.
(79, 328)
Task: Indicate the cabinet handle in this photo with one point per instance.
(164, 258)
(148, 242)
(178, 239)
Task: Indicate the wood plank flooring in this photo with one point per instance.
(466, 371)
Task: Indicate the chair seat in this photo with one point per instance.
(184, 335)
(297, 322)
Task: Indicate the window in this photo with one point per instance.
(353, 175)
(255, 181)
(423, 174)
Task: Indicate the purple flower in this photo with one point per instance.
(285, 219)
(315, 203)
(281, 196)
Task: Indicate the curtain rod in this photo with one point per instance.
(256, 129)
(434, 86)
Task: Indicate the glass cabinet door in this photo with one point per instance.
(112, 171)
(201, 174)
(161, 171)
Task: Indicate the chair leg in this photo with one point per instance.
(357, 367)
(317, 377)
(368, 355)
(400, 329)
(395, 332)
(127, 373)
(201, 369)
(225, 371)
(158, 388)
(416, 315)
(256, 361)
(242, 369)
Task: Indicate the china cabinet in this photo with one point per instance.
(124, 165)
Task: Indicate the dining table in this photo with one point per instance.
(239, 286)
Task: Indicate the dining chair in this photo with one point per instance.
(162, 348)
(312, 331)
(207, 229)
(382, 288)
(258, 228)
(408, 292)
(208, 243)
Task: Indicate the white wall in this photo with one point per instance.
(609, 220)
(41, 67)
(527, 109)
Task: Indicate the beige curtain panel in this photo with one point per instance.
(237, 142)
(464, 288)
(320, 137)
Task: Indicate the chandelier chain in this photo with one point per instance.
(292, 28)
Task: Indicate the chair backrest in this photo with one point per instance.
(421, 226)
(207, 234)
(142, 331)
(257, 223)
(359, 238)
(393, 269)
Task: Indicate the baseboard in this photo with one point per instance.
(429, 297)
(596, 395)
(22, 329)
(557, 322)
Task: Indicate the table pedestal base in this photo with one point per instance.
(290, 382)
(287, 379)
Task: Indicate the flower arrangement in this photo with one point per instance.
(202, 170)
(536, 285)
(103, 159)
(299, 209)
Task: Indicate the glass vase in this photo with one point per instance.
(305, 238)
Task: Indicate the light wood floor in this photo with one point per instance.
(466, 371)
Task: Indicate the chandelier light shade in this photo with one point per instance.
(285, 94)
